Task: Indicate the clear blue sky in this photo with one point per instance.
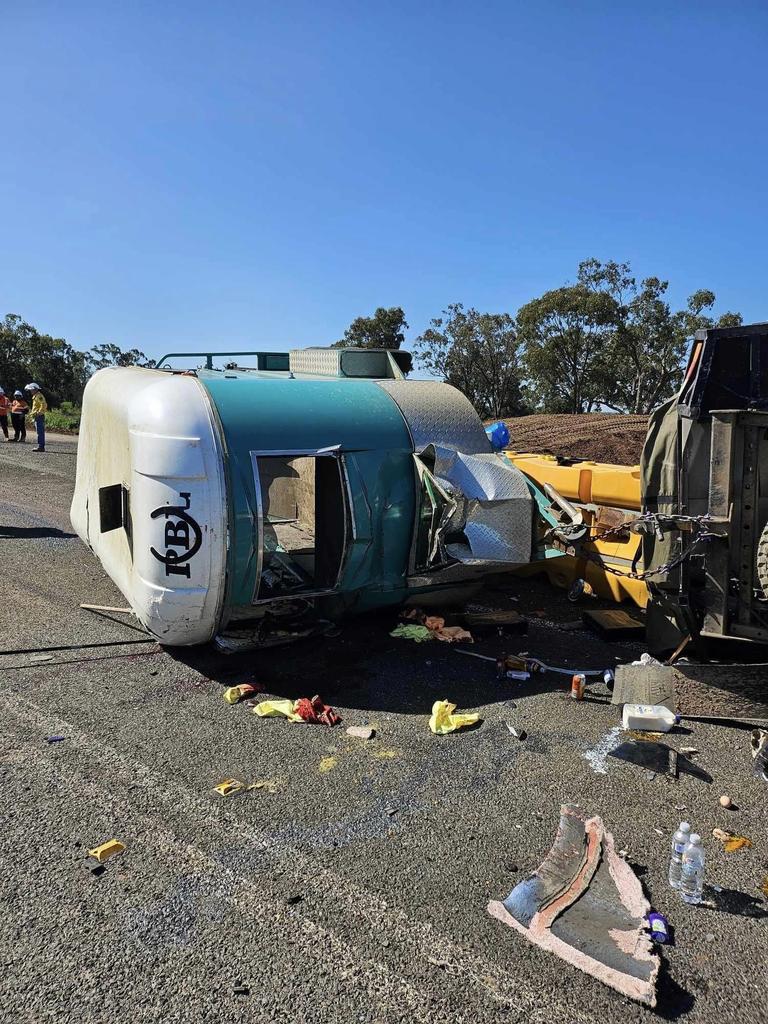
(250, 174)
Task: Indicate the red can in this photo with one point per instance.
(577, 686)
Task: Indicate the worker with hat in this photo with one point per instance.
(19, 410)
(5, 406)
(39, 409)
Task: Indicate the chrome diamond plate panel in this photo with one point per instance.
(437, 413)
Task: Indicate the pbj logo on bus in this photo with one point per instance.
(183, 537)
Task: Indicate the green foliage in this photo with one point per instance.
(478, 354)
(108, 354)
(610, 341)
(385, 329)
(66, 417)
(61, 371)
(26, 355)
(564, 334)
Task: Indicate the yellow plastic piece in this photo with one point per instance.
(444, 720)
(234, 694)
(107, 850)
(599, 484)
(272, 708)
(229, 787)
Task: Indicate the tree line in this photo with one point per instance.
(60, 369)
(606, 341)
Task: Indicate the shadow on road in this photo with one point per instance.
(34, 533)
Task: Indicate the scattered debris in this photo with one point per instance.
(234, 694)
(55, 739)
(417, 633)
(503, 622)
(731, 842)
(106, 850)
(648, 717)
(361, 732)
(40, 659)
(577, 686)
(585, 904)
(578, 589)
(646, 659)
(229, 787)
(764, 887)
(443, 720)
(327, 764)
(240, 989)
(614, 624)
(453, 635)
(302, 710)
(293, 900)
(759, 743)
(659, 927)
(519, 734)
(725, 801)
(689, 750)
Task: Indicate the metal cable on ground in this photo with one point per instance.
(77, 661)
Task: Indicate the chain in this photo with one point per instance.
(652, 518)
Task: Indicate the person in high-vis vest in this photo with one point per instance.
(5, 408)
(19, 410)
(39, 409)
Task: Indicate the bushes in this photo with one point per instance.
(66, 417)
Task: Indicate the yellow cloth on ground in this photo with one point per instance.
(272, 708)
(443, 719)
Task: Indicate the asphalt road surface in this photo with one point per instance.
(354, 886)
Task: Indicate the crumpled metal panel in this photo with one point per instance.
(494, 506)
(586, 905)
(437, 413)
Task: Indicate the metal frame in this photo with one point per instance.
(333, 452)
(729, 562)
(208, 356)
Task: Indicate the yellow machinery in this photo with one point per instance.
(607, 496)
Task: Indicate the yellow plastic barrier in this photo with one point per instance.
(592, 486)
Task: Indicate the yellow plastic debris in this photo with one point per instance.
(234, 694)
(107, 850)
(731, 842)
(229, 787)
(327, 764)
(444, 720)
(272, 708)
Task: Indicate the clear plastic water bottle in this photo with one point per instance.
(692, 872)
(679, 843)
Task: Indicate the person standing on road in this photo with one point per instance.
(19, 410)
(5, 407)
(39, 409)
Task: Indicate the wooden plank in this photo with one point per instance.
(614, 623)
(710, 690)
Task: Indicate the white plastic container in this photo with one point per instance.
(648, 717)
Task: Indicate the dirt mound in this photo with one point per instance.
(598, 437)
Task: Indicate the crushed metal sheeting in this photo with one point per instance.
(586, 905)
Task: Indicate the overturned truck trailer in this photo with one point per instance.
(241, 504)
(705, 493)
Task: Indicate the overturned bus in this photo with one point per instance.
(242, 504)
